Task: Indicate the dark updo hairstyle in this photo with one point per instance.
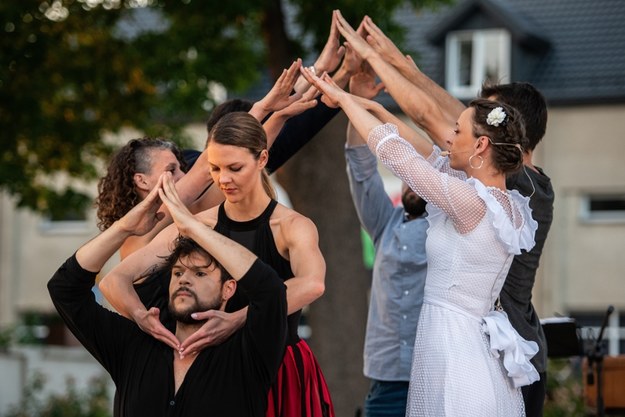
(528, 101)
(241, 129)
(117, 193)
(507, 139)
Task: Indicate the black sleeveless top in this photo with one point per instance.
(257, 237)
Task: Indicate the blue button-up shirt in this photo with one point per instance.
(398, 273)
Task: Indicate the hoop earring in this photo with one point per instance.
(471, 161)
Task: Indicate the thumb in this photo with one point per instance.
(203, 315)
(340, 52)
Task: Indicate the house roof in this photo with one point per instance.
(579, 44)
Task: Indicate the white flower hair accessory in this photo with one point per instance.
(496, 117)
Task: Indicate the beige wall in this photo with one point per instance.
(583, 267)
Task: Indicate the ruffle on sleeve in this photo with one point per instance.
(514, 239)
(516, 351)
(526, 240)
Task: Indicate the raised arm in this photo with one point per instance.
(276, 121)
(117, 285)
(235, 258)
(194, 189)
(413, 101)
(449, 105)
(360, 111)
(327, 61)
(137, 222)
(300, 129)
(373, 205)
(280, 95)
(407, 161)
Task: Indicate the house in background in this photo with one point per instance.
(573, 51)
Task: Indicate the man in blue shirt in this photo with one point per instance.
(399, 270)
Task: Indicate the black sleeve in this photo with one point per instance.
(102, 332)
(266, 324)
(297, 132)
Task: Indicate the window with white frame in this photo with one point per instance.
(603, 208)
(474, 57)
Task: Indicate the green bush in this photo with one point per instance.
(564, 389)
(94, 401)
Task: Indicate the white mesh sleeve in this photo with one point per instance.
(457, 198)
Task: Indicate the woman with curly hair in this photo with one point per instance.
(132, 172)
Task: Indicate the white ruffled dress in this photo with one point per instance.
(468, 360)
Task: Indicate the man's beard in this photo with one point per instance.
(413, 204)
(184, 316)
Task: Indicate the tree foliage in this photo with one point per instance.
(73, 70)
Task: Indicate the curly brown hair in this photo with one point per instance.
(116, 190)
(508, 137)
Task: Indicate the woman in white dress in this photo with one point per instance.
(467, 361)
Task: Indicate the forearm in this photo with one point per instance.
(302, 291)
(415, 102)
(341, 77)
(421, 144)
(235, 258)
(372, 203)
(273, 126)
(94, 254)
(297, 132)
(450, 105)
(119, 291)
(259, 111)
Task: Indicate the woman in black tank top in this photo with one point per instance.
(237, 153)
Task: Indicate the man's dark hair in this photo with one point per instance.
(528, 101)
(235, 104)
(183, 247)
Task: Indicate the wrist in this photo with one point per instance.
(341, 77)
(259, 110)
(121, 230)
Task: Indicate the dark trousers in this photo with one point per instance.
(386, 399)
(534, 396)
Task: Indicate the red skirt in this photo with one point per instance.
(300, 390)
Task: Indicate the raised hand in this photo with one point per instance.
(149, 322)
(325, 84)
(307, 101)
(355, 39)
(181, 215)
(280, 94)
(219, 326)
(143, 217)
(330, 57)
(363, 83)
(381, 43)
